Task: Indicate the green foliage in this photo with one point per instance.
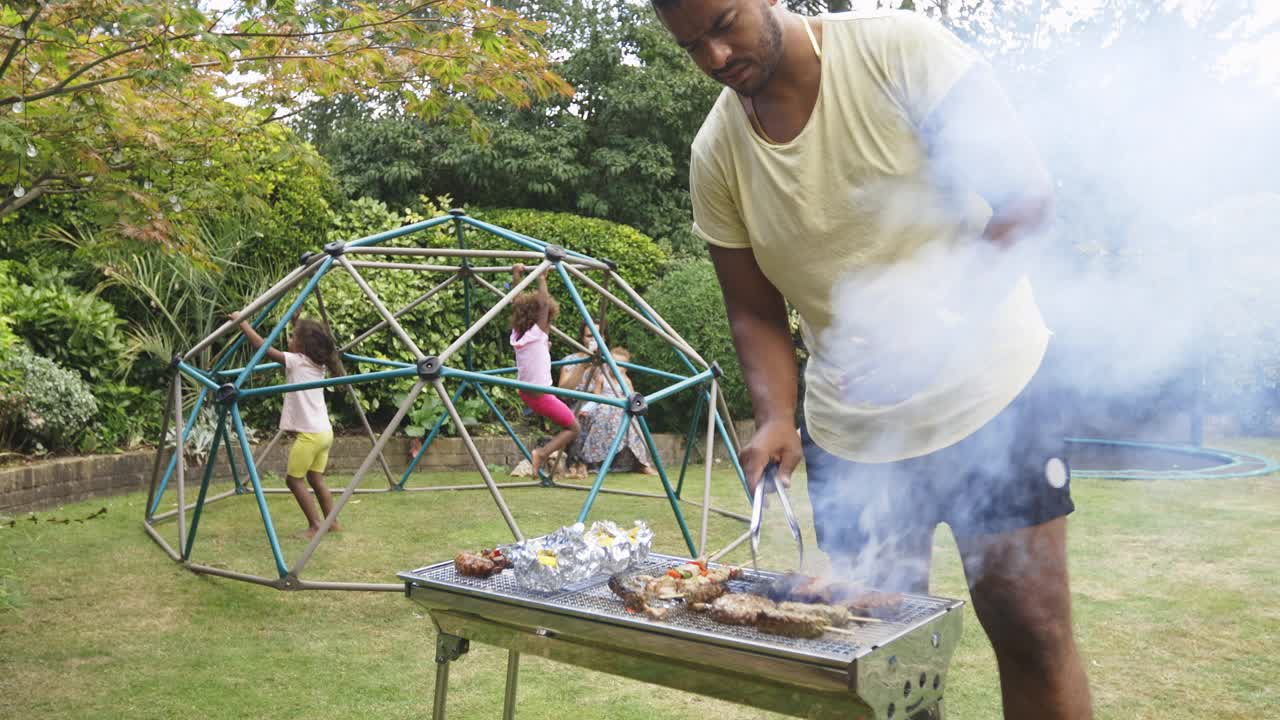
(105, 97)
(689, 299)
(76, 329)
(617, 149)
(428, 408)
(640, 261)
(42, 405)
(127, 416)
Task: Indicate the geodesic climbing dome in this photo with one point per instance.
(226, 390)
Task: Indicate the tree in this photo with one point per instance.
(106, 96)
(617, 148)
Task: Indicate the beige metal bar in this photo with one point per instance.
(360, 473)
(706, 482)
(365, 587)
(477, 486)
(404, 266)
(674, 341)
(161, 542)
(476, 457)
(382, 309)
(207, 501)
(488, 317)
(160, 446)
(421, 299)
(351, 388)
(258, 579)
(569, 339)
(639, 301)
(656, 496)
(359, 491)
(260, 456)
(271, 294)
(729, 548)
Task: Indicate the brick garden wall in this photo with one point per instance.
(55, 482)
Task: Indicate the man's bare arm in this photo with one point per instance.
(976, 142)
(762, 337)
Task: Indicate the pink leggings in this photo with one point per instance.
(550, 407)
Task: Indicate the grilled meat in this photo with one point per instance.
(739, 608)
(486, 563)
(791, 624)
(633, 597)
(832, 615)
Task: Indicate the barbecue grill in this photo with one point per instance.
(895, 669)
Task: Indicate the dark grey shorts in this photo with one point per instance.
(1010, 474)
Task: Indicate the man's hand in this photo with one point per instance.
(775, 441)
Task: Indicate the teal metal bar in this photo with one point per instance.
(330, 382)
(430, 438)
(666, 486)
(523, 241)
(595, 331)
(399, 232)
(376, 361)
(261, 368)
(551, 389)
(469, 360)
(554, 364)
(235, 473)
(546, 479)
(604, 468)
(284, 321)
(235, 344)
(257, 488)
(670, 390)
(196, 375)
(688, 441)
(652, 371)
(173, 460)
(204, 483)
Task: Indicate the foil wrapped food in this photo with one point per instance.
(549, 563)
(573, 554)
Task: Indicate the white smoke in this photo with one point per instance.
(1160, 271)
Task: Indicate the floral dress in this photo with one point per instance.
(599, 425)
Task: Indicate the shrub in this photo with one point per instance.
(689, 300)
(42, 404)
(127, 416)
(640, 260)
(78, 330)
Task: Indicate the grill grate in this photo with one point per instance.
(593, 599)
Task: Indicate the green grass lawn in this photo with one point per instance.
(1176, 584)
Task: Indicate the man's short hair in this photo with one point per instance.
(664, 4)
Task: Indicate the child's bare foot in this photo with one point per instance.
(648, 470)
(536, 462)
(308, 534)
(335, 527)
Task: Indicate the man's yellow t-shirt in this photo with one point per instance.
(844, 222)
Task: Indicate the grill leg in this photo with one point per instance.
(448, 649)
(513, 673)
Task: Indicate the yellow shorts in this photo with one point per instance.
(310, 453)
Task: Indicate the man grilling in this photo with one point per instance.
(869, 171)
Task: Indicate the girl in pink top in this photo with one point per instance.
(531, 316)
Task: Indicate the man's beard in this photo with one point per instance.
(770, 52)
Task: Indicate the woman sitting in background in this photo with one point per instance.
(600, 422)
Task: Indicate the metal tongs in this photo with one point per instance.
(769, 481)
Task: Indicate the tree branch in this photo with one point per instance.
(17, 42)
(13, 204)
(318, 33)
